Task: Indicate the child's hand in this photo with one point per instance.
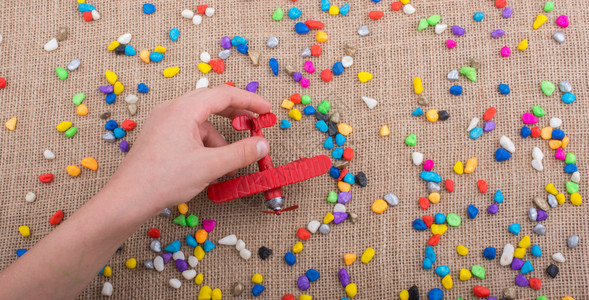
(179, 152)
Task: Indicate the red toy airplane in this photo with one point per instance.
(269, 180)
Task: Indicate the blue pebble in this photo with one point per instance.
(429, 253)
(440, 218)
(156, 56)
(301, 28)
(568, 98)
(142, 88)
(110, 98)
(173, 247)
(208, 246)
(238, 41)
(148, 8)
(174, 34)
(498, 197)
(101, 270)
(478, 16)
(427, 264)
(476, 132)
(344, 9)
(84, 7)
(20, 252)
(557, 134)
(570, 168)
(525, 132)
(312, 274)
(111, 125)
(435, 294)
(130, 51)
(442, 270)
(456, 90)
(472, 211)
(242, 48)
(536, 251)
(325, 5)
(284, 124)
(430, 176)
(274, 66)
(328, 144)
(375, 1)
(514, 228)
(290, 259)
(417, 112)
(309, 110)
(334, 172)
(504, 89)
(340, 139)
(191, 241)
(350, 178)
(502, 154)
(418, 224)
(294, 13)
(527, 267)
(257, 289)
(338, 68)
(337, 153)
(119, 133)
(322, 126)
(490, 253)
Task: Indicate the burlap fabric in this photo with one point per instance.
(394, 52)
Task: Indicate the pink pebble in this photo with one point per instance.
(562, 21)
(529, 118)
(505, 51)
(559, 154)
(305, 82)
(450, 43)
(428, 165)
(208, 225)
(309, 67)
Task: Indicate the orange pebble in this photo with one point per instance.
(73, 170)
(182, 208)
(90, 163)
(349, 258)
(201, 236)
(82, 110)
(379, 206)
(565, 142)
(554, 144)
(344, 186)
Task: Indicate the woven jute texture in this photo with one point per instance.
(394, 52)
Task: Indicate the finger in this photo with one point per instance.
(210, 136)
(225, 159)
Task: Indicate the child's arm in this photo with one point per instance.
(171, 161)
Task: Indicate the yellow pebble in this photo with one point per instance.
(438, 229)
(118, 88)
(349, 258)
(404, 295)
(131, 263)
(328, 218)
(523, 45)
(111, 77)
(11, 124)
(351, 290)
(199, 278)
(287, 104)
(305, 297)
(551, 189)
(321, 36)
(171, 72)
(113, 45)
(344, 186)
(525, 242)
(333, 10)
(560, 198)
(447, 282)
(24, 230)
(471, 165)
(295, 114)
(519, 253)
(160, 49)
(73, 170)
(432, 115)
(204, 67)
(367, 255)
(199, 252)
(540, 19)
(462, 250)
(465, 274)
(379, 206)
(217, 294)
(205, 293)
(417, 85)
(81, 1)
(144, 54)
(183, 208)
(107, 272)
(63, 126)
(434, 197)
(546, 133)
(344, 129)
(565, 142)
(576, 199)
(89, 163)
(384, 130)
(364, 76)
(298, 247)
(257, 278)
(82, 110)
(405, 2)
(458, 168)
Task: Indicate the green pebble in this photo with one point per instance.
(572, 187)
(570, 158)
(433, 20)
(71, 132)
(453, 220)
(278, 14)
(538, 111)
(78, 98)
(411, 140)
(180, 220)
(305, 99)
(332, 198)
(478, 271)
(324, 107)
(547, 88)
(542, 298)
(469, 72)
(422, 25)
(61, 73)
(192, 221)
(548, 6)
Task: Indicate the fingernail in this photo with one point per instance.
(262, 149)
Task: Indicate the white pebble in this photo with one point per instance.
(209, 12)
(224, 54)
(313, 226)
(196, 20)
(363, 30)
(306, 52)
(51, 45)
(272, 42)
(178, 255)
(371, 103)
(347, 61)
(192, 261)
(189, 274)
(30, 197)
(245, 254)
(202, 83)
(537, 153)
(158, 263)
(408, 9)
(228, 240)
(440, 28)
(188, 14)
(95, 15)
(473, 123)
(240, 245)
(453, 75)
(555, 122)
(131, 99)
(175, 283)
(537, 164)
(393, 200)
(565, 86)
(124, 39)
(507, 144)
(558, 257)
(559, 37)
(48, 154)
(74, 64)
(0, 38)
(205, 57)
(339, 208)
(417, 158)
(576, 177)
(507, 256)
(107, 289)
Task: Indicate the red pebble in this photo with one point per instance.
(312, 24)
(375, 14)
(489, 114)
(326, 75)
(154, 233)
(87, 16)
(201, 8)
(535, 283)
(500, 3)
(428, 220)
(303, 234)
(536, 131)
(315, 50)
(128, 125)
(218, 65)
(230, 83)
(342, 174)
(56, 218)
(424, 203)
(434, 240)
(296, 98)
(396, 5)
(46, 178)
(481, 291)
(348, 154)
(483, 186)
(2, 83)
(288, 296)
(449, 185)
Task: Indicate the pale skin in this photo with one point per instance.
(175, 157)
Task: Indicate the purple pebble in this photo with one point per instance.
(517, 264)
(167, 257)
(497, 33)
(297, 76)
(106, 89)
(252, 86)
(339, 217)
(344, 278)
(182, 265)
(542, 215)
(226, 42)
(489, 126)
(493, 208)
(491, 298)
(507, 12)
(124, 146)
(303, 283)
(457, 30)
(344, 197)
(520, 280)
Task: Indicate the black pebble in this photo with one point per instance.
(552, 270)
(413, 293)
(121, 247)
(361, 179)
(320, 116)
(120, 49)
(264, 252)
(443, 115)
(331, 128)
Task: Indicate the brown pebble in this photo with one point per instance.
(237, 289)
(62, 34)
(132, 109)
(541, 203)
(509, 293)
(351, 49)
(105, 115)
(475, 63)
(341, 165)
(353, 217)
(290, 70)
(334, 117)
(421, 100)
(255, 57)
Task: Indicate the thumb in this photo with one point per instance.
(225, 159)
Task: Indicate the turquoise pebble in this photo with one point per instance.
(294, 13)
(284, 124)
(337, 153)
(427, 264)
(429, 253)
(156, 56)
(119, 133)
(328, 144)
(191, 241)
(101, 270)
(478, 16)
(430, 176)
(325, 5)
(130, 51)
(238, 41)
(322, 126)
(340, 139)
(442, 270)
(84, 7)
(350, 178)
(568, 98)
(174, 34)
(417, 112)
(514, 228)
(527, 267)
(173, 247)
(290, 259)
(344, 9)
(472, 211)
(498, 197)
(440, 218)
(536, 251)
(476, 132)
(208, 246)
